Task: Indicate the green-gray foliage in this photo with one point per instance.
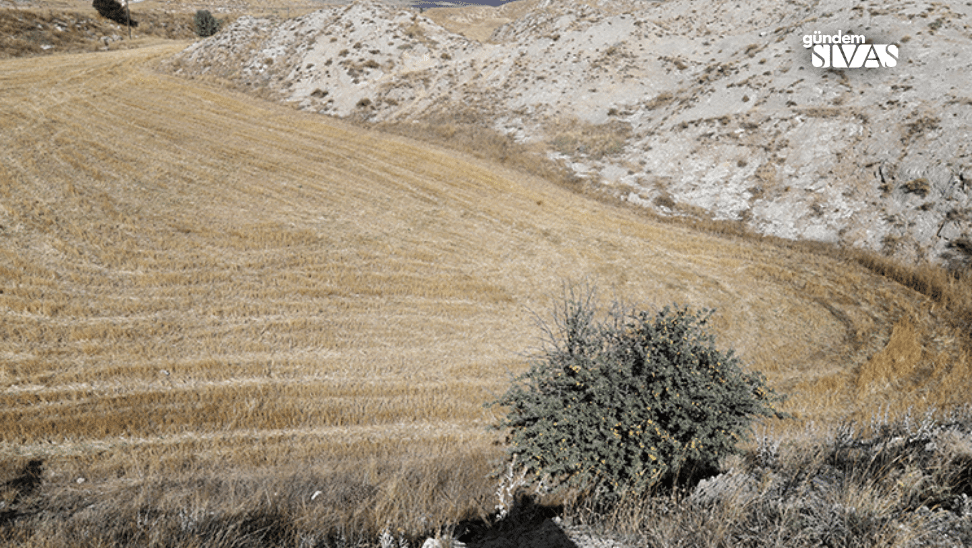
(615, 406)
(112, 9)
(206, 24)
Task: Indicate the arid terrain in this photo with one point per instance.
(714, 112)
(219, 310)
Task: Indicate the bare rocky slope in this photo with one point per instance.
(703, 108)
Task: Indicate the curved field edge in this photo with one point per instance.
(202, 288)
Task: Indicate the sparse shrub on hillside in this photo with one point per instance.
(415, 31)
(959, 256)
(572, 136)
(112, 9)
(612, 408)
(919, 186)
(205, 24)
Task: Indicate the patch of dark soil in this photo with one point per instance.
(16, 490)
(528, 525)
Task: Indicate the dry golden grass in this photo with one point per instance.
(577, 137)
(45, 30)
(197, 283)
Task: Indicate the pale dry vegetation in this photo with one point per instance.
(33, 31)
(213, 307)
(883, 482)
(577, 137)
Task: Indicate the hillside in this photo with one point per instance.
(219, 314)
(32, 31)
(714, 112)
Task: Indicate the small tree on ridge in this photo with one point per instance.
(206, 25)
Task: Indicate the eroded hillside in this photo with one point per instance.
(714, 112)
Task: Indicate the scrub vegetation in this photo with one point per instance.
(612, 407)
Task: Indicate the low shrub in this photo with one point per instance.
(919, 186)
(614, 407)
(205, 24)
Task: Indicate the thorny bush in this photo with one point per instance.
(615, 407)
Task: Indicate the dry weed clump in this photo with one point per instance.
(465, 133)
(895, 483)
(951, 289)
(919, 186)
(333, 502)
(595, 141)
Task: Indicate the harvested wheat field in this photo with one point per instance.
(216, 310)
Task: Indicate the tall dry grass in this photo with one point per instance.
(890, 481)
